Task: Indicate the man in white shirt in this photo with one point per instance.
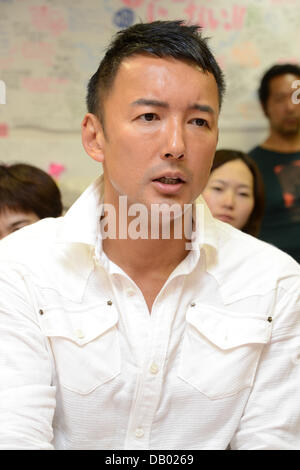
(114, 336)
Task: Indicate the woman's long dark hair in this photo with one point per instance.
(227, 155)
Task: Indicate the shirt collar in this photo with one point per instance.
(206, 232)
(81, 223)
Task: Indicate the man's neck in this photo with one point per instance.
(141, 257)
(283, 144)
(147, 247)
(145, 244)
(148, 263)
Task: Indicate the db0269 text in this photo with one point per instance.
(170, 459)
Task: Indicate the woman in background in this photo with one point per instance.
(234, 192)
(27, 194)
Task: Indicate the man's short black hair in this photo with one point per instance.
(27, 188)
(275, 71)
(159, 38)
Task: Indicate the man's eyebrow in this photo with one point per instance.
(203, 107)
(150, 102)
(163, 104)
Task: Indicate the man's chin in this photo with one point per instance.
(290, 131)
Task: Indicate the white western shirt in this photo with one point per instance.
(83, 365)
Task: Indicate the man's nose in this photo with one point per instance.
(175, 145)
(290, 106)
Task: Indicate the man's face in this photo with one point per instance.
(160, 123)
(283, 114)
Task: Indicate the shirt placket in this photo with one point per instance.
(150, 379)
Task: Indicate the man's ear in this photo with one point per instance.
(92, 137)
(264, 108)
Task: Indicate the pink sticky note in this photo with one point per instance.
(55, 169)
(3, 129)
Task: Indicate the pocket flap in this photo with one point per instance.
(80, 327)
(227, 331)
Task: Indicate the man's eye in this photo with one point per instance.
(200, 122)
(279, 99)
(15, 229)
(148, 116)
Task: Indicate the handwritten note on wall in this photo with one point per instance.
(49, 49)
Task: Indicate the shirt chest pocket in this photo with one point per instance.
(85, 346)
(220, 353)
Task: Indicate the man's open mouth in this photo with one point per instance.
(166, 180)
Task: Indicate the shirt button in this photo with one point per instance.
(79, 334)
(130, 292)
(139, 432)
(154, 368)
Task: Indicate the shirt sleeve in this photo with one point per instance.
(27, 399)
(271, 418)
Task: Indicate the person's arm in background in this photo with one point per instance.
(271, 419)
(27, 399)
